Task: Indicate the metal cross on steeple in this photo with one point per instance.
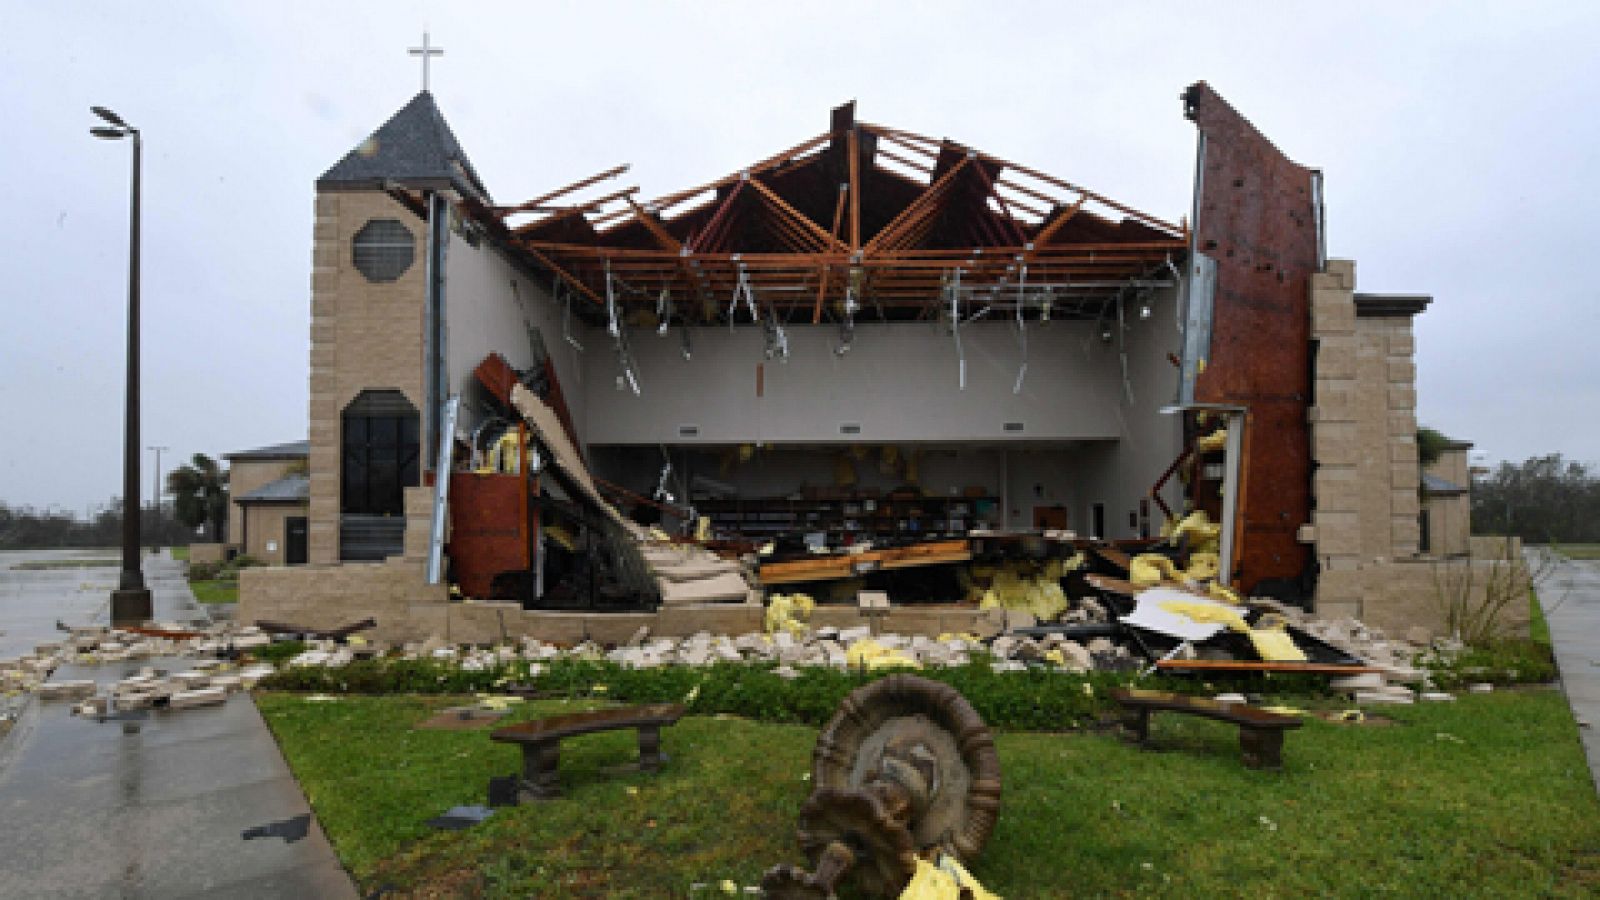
(425, 51)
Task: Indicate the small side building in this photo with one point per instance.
(270, 493)
(1447, 503)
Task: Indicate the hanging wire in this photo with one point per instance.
(1022, 330)
(954, 290)
(565, 297)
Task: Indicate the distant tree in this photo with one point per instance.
(1544, 499)
(200, 494)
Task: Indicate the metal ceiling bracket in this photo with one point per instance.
(955, 331)
(1022, 331)
(612, 327)
(566, 314)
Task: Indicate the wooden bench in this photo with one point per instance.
(1260, 732)
(541, 741)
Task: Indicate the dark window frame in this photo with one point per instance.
(379, 453)
(383, 250)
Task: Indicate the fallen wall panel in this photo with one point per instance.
(1255, 215)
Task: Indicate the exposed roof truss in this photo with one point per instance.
(862, 219)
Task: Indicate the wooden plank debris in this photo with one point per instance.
(848, 565)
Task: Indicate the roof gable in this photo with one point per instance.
(288, 489)
(415, 147)
(290, 450)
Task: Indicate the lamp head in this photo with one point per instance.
(110, 134)
(109, 116)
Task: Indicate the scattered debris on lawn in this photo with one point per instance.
(460, 818)
(462, 718)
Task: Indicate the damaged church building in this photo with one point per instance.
(876, 368)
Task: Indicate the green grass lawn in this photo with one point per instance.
(1580, 551)
(1538, 625)
(1487, 796)
(219, 591)
(181, 554)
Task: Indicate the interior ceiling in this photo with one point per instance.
(860, 222)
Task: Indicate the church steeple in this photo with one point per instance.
(416, 148)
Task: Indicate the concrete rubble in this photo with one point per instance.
(209, 675)
(210, 678)
(790, 652)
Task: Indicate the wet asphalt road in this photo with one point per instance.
(89, 810)
(1570, 595)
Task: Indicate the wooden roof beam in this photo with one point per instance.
(566, 276)
(924, 205)
(661, 203)
(823, 239)
(667, 241)
(573, 211)
(910, 139)
(822, 279)
(988, 182)
(854, 149)
(504, 211)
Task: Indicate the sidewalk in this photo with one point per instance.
(1570, 597)
(91, 811)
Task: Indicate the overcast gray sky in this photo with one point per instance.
(1459, 144)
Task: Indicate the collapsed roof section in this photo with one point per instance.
(861, 219)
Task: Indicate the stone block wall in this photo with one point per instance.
(1365, 530)
(1336, 484)
(326, 596)
(1363, 442)
(363, 335)
(207, 553)
(406, 609)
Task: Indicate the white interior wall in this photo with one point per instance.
(899, 382)
(1119, 474)
(483, 315)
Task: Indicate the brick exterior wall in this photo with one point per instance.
(363, 335)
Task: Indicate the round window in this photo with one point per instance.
(383, 250)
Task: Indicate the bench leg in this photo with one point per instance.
(650, 748)
(1137, 723)
(1262, 748)
(540, 780)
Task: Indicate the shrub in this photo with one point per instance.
(1505, 661)
(1036, 700)
(279, 652)
(1474, 595)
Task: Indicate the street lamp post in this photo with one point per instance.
(130, 602)
(155, 501)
